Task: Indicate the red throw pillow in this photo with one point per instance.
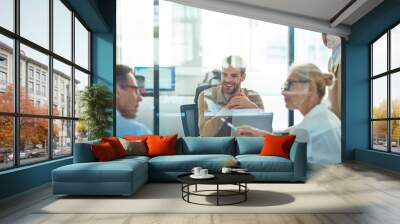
(116, 145)
(161, 145)
(277, 145)
(103, 152)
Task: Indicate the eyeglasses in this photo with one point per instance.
(135, 88)
(289, 83)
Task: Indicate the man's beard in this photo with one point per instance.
(231, 90)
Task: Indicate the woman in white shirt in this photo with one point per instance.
(304, 90)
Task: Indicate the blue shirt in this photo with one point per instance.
(126, 126)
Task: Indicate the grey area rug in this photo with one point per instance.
(166, 198)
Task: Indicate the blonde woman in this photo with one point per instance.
(304, 90)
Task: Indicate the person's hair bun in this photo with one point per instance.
(328, 78)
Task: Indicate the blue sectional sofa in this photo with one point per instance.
(125, 176)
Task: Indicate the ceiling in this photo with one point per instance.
(329, 16)
(318, 9)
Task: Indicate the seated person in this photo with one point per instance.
(224, 97)
(128, 99)
(304, 90)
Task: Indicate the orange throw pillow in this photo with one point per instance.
(277, 145)
(116, 145)
(161, 145)
(103, 152)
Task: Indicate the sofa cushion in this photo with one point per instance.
(185, 163)
(207, 145)
(249, 145)
(116, 145)
(133, 158)
(134, 147)
(112, 171)
(257, 163)
(275, 145)
(103, 152)
(161, 145)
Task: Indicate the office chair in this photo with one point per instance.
(189, 118)
(200, 89)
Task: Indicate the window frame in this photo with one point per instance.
(16, 115)
(388, 74)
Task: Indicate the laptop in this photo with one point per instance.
(261, 121)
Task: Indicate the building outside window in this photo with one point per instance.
(30, 72)
(44, 78)
(3, 78)
(38, 90)
(44, 91)
(37, 75)
(30, 87)
(3, 72)
(3, 61)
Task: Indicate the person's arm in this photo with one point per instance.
(246, 130)
(208, 126)
(258, 101)
(243, 101)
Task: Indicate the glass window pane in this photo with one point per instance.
(395, 47)
(33, 139)
(309, 47)
(379, 98)
(6, 142)
(62, 138)
(62, 29)
(35, 21)
(81, 45)
(34, 96)
(194, 42)
(62, 89)
(379, 56)
(379, 135)
(81, 131)
(7, 14)
(395, 94)
(81, 81)
(131, 53)
(6, 74)
(395, 136)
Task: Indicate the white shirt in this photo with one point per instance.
(320, 128)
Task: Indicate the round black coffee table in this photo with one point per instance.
(238, 179)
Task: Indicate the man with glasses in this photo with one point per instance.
(128, 99)
(218, 102)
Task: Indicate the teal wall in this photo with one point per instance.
(24, 178)
(99, 15)
(103, 58)
(104, 50)
(356, 84)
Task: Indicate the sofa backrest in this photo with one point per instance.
(249, 145)
(195, 145)
(206, 145)
(83, 152)
(253, 145)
